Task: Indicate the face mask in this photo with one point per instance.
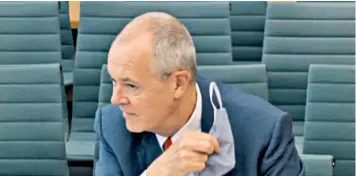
(220, 163)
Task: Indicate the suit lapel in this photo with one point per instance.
(148, 150)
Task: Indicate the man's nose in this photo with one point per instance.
(118, 97)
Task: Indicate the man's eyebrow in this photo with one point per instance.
(127, 79)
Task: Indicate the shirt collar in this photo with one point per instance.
(192, 124)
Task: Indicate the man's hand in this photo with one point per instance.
(188, 154)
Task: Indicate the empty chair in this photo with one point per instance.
(248, 78)
(30, 34)
(100, 22)
(67, 43)
(31, 124)
(298, 34)
(330, 115)
(247, 27)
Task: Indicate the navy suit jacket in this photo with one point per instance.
(264, 142)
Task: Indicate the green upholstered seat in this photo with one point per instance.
(105, 90)
(31, 121)
(298, 34)
(100, 22)
(330, 115)
(67, 43)
(30, 34)
(318, 165)
(248, 78)
(247, 27)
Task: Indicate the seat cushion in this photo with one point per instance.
(316, 165)
(80, 146)
(68, 78)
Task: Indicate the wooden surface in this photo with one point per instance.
(74, 13)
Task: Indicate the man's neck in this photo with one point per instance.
(180, 116)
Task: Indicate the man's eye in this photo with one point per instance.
(131, 86)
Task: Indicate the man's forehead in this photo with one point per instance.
(120, 72)
(128, 61)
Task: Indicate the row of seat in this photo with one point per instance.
(292, 41)
(32, 126)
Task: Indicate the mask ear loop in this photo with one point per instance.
(214, 88)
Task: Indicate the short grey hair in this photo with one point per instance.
(173, 46)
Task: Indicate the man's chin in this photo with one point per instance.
(134, 128)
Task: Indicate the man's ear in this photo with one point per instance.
(181, 80)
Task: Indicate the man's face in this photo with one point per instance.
(143, 97)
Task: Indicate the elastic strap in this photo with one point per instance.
(214, 88)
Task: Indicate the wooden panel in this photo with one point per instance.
(74, 13)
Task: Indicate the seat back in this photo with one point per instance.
(299, 34)
(31, 126)
(249, 78)
(330, 115)
(247, 28)
(66, 37)
(105, 90)
(100, 22)
(30, 34)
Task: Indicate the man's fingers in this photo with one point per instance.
(200, 142)
(188, 155)
(215, 144)
(194, 166)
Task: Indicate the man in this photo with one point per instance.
(161, 113)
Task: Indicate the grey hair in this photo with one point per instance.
(173, 47)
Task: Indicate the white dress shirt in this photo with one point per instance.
(194, 123)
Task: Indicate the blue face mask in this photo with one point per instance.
(220, 163)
